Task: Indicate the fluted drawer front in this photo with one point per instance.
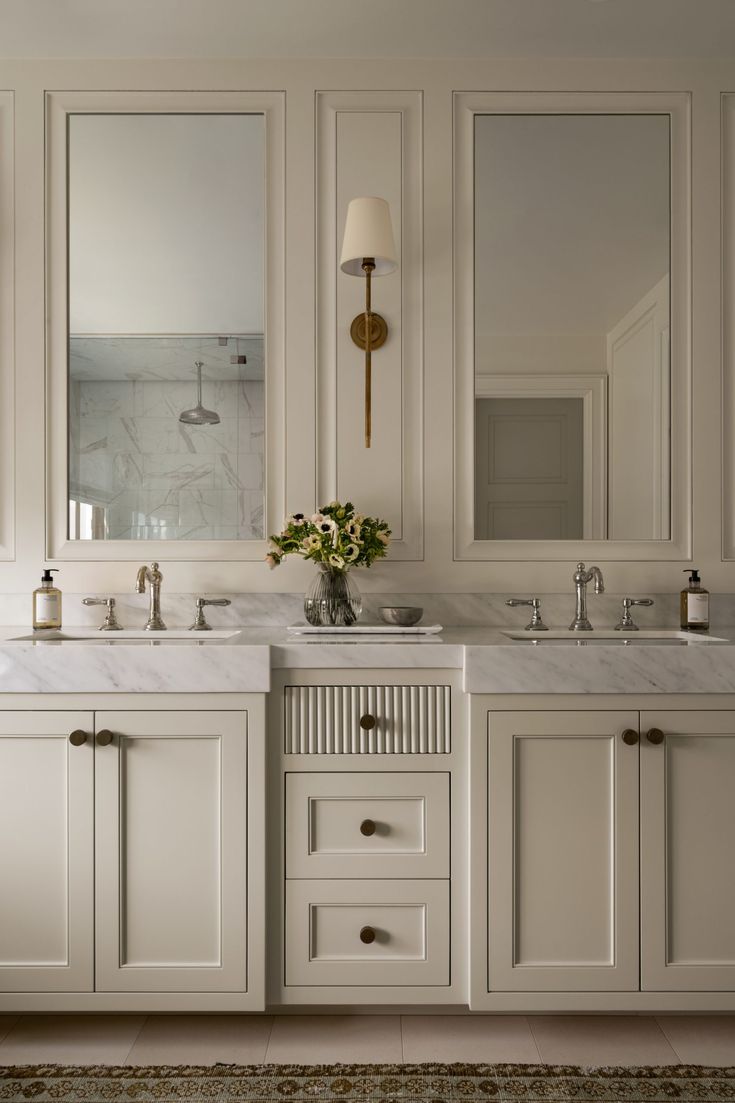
(367, 825)
(367, 933)
(367, 720)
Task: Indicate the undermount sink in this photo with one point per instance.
(125, 635)
(561, 636)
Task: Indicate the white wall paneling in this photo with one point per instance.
(728, 325)
(466, 106)
(59, 105)
(370, 143)
(7, 326)
(309, 130)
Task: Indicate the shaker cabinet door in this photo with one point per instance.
(171, 859)
(687, 848)
(46, 851)
(562, 851)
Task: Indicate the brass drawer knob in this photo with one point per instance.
(367, 935)
(367, 827)
(367, 722)
(630, 736)
(78, 738)
(104, 738)
(655, 735)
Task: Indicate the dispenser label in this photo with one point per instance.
(697, 608)
(47, 608)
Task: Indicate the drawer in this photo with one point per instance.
(371, 933)
(367, 825)
(367, 719)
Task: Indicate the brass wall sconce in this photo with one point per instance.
(368, 248)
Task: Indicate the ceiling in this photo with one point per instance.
(353, 28)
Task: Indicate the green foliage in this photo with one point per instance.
(336, 536)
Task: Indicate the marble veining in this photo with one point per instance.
(450, 610)
(133, 667)
(151, 476)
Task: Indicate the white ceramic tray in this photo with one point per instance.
(365, 630)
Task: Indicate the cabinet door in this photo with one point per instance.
(562, 851)
(171, 859)
(46, 852)
(687, 848)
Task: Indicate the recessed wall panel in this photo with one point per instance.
(369, 143)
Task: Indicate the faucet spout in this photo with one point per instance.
(154, 578)
(581, 579)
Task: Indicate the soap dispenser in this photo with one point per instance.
(47, 602)
(694, 605)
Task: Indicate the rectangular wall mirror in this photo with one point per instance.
(572, 407)
(166, 354)
(165, 323)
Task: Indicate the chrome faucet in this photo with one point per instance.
(581, 578)
(153, 576)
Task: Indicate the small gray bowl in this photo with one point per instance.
(403, 615)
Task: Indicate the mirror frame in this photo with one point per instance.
(59, 106)
(7, 329)
(678, 107)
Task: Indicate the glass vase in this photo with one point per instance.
(332, 599)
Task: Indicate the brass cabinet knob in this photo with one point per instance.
(655, 735)
(78, 738)
(367, 827)
(367, 722)
(630, 736)
(104, 738)
(367, 935)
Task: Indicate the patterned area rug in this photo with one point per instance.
(365, 1084)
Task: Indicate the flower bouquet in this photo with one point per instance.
(336, 538)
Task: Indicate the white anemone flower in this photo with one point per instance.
(351, 552)
(336, 561)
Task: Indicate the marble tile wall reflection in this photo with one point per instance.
(157, 478)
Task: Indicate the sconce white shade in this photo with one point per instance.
(368, 233)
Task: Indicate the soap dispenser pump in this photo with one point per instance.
(694, 604)
(47, 602)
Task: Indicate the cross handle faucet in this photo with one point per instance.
(581, 579)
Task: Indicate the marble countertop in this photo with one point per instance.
(490, 662)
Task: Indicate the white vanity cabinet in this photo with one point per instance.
(688, 851)
(46, 851)
(602, 856)
(367, 773)
(130, 855)
(171, 851)
(562, 851)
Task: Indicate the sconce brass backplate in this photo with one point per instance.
(378, 330)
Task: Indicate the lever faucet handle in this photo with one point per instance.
(626, 622)
(200, 621)
(111, 623)
(536, 624)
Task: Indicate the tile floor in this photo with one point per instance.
(310, 1039)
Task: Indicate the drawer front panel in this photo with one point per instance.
(372, 934)
(367, 720)
(367, 825)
